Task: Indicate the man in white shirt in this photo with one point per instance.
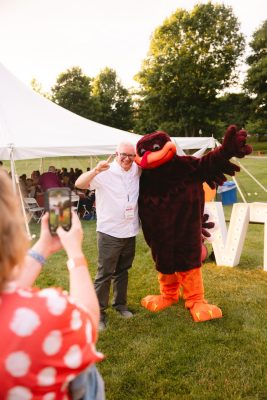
(116, 187)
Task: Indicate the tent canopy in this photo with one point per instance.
(32, 126)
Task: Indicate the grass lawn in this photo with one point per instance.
(167, 356)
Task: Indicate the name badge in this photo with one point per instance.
(129, 212)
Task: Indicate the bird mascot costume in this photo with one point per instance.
(171, 205)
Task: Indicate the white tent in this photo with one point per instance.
(34, 127)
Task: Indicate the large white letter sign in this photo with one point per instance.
(227, 246)
(258, 213)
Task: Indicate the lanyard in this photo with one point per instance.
(127, 181)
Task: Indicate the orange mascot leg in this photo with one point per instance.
(169, 289)
(193, 292)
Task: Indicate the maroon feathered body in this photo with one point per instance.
(171, 200)
(171, 205)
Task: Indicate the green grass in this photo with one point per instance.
(167, 356)
(250, 189)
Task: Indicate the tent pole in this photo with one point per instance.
(16, 189)
(239, 190)
(13, 171)
(41, 165)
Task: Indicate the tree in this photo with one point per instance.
(192, 58)
(256, 81)
(73, 92)
(233, 108)
(37, 87)
(113, 99)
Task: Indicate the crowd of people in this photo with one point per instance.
(53, 177)
(35, 186)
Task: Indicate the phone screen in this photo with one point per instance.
(58, 203)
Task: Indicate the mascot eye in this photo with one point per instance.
(156, 146)
(142, 152)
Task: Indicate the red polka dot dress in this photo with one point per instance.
(46, 341)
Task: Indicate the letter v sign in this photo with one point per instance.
(227, 246)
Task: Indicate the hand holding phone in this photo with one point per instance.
(58, 204)
(72, 240)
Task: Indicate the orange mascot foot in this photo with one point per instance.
(204, 312)
(157, 302)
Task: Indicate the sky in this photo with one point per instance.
(42, 38)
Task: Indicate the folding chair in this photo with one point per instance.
(33, 209)
(89, 211)
(85, 212)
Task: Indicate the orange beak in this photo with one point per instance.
(156, 158)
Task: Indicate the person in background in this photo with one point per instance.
(72, 175)
(47, 336)
(65, 180)
(63, 170)
(49, 179)
(30, 188)
(23, 185)
(35, 176)
(116, 188)
(77, 173)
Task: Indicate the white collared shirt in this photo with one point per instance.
(115, 190)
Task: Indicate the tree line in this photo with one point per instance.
(186, 82)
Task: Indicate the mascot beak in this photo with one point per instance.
(144, 160)
(153, 159)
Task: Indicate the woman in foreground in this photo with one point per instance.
(47, 336)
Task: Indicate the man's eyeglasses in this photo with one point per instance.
(130, 156)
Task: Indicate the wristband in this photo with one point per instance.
(76, 262)
(37, 256)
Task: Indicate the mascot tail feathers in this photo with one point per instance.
(193, 292)
(169, 289)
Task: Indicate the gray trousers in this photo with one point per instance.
(115, 257)
(89, 385)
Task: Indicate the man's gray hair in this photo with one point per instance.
(124, 144)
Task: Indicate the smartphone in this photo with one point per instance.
(58, 204)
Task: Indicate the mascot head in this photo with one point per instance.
(154, 149)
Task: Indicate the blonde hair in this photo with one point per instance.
(13, 238)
